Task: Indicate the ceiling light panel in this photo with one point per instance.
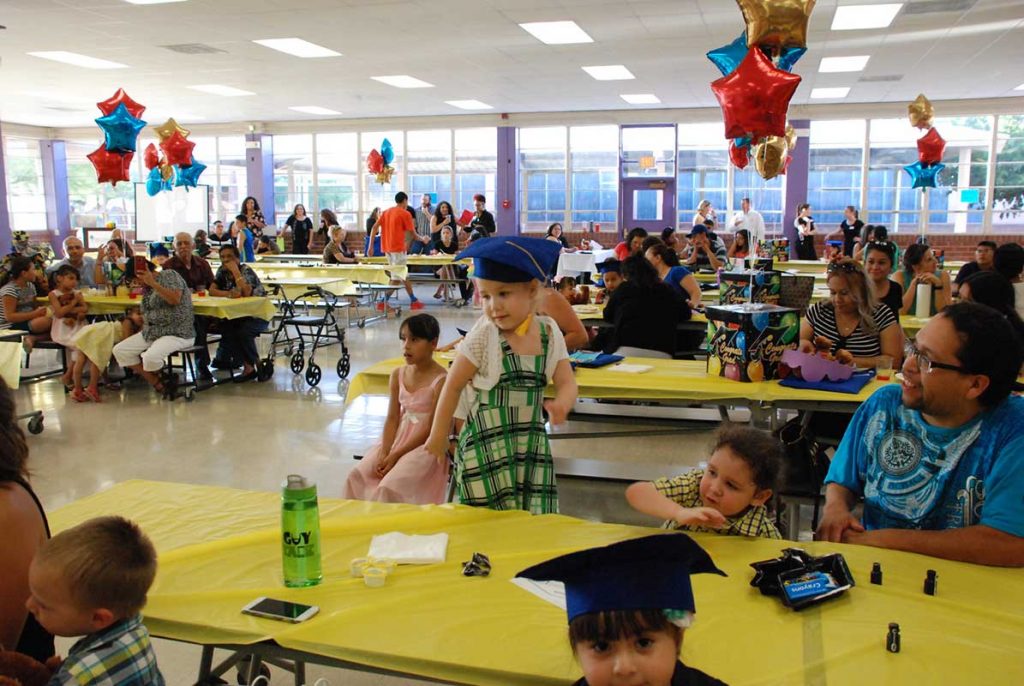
(610, 72)
(402, 81)
(557, 32)
(218, 89)
(297, 47)
(469, 104)
(77, 60)
(641, 98)
(829, 93)
(314, 109)
(835, 65)
(855, 17)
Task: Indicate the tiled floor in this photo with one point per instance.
(86, 448)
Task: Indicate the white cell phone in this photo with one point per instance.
(282, 610)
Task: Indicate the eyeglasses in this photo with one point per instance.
(925, 363)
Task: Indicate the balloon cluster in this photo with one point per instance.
(757, 83)
(379, 163)
(176, 166)
(930, 146)
(121, 126)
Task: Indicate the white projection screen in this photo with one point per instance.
(169, 212)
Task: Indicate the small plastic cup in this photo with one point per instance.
(201, 293)
(358, 565)
(374, 577)
(883, 368)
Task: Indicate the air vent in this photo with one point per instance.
(193, 49)
(936, 6)
(881, 79)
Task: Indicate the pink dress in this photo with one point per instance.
(417, 477)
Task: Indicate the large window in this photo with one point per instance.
(293, 175)
(542, 177)
(649, 151)
(337, 171)
(1008, 207)
(228, 174)
(834, 174)
(703, 171)
(95, 204)
(25, 198)
(594, 162)
(429, 166)
(476, 167)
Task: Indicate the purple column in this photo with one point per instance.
(796, 181)
(506, 219)
(259, 168)
(55, 188)
(5, 215)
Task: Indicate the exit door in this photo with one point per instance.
(647, 203)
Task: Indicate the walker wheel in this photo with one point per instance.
(35, 425)
(298, 363)
(313, 374)
(344, 366)
(264, 370)
(361, 323)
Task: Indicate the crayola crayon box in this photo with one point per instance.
(746, 341)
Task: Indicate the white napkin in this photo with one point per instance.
(407, 549)
(630, 368)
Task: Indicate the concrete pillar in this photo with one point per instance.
(5, 215)
(506, 184)
(796, 181)
(259, 168)
(55, 188)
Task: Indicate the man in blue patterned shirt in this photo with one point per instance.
(939, 459)
(93, 580)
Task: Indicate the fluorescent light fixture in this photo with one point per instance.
(641, 98)
(314, 109)
(217, 89)
(853, 17)
(402, 81)
(610, 72)
(834, 65)
(829, 93)
(152, 2)
(297, 47)
(557, 32)
(1019, 88)
(77, 60)
(469, 104)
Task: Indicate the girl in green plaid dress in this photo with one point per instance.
(503, 459)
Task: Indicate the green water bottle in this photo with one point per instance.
(300, 532)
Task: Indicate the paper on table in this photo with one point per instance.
(409, 550)
(924, 301)
(549, 591)
(631, 368)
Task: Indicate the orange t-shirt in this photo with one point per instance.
(393, 225)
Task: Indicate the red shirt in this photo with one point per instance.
(394, 223)
(621, 251)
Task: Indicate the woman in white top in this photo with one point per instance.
(704, 212)
(804, 224)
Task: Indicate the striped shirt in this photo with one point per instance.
(685, 490)
(860, 343)
(120, 655)
(24, 297)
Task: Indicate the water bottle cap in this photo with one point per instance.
(296, 486)
(296, 481)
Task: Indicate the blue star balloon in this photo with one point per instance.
(788, 58)
(189, 176)
(386, 151)
(154, 182)
(121, 129)
(743, 142)
(924, 175)
(728, 57)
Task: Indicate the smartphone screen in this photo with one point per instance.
(279, 608)
(140, 264)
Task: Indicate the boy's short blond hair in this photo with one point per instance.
(107, 562)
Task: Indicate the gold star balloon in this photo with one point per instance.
(167, 129)
(776, 23)
(921, 112)
(770, 156)
(790, 137)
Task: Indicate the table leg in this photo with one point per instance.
(205, 663)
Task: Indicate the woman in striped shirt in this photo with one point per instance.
(852, 324)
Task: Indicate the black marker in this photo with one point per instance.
(892, 639)
(876, 574)
(929, 582)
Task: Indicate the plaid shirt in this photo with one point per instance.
(120, 655)
(685, 490)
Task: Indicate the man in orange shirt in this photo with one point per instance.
(393, 224)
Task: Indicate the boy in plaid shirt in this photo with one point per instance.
(93, 580)
(726, 497)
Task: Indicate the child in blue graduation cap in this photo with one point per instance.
(628, 605)
(502, 458)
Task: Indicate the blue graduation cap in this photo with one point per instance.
(512, 259)
(609, 265)
(640, 574)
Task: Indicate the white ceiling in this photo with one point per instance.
(470, 49)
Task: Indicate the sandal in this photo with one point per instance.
(79, 396)
(93, 395)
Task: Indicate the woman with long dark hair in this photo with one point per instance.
(443, 216)
(922, 267)
(254, 220)
(804, 225)
(302, 230)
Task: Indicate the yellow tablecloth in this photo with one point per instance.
(360, 273)
(669, 380)
(220, 548)
(10, 362)
(210, 306)
(413, 260)
(297, 286)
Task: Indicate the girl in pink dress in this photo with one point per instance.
(399, 469)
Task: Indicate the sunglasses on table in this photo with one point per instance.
(926, 364)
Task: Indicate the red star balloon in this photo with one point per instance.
(178, 149)
(374, 162)
(930, 147)
(120, 97)
(151, 157)
(740, 155)
(755, 97)
(110, 166)
(777, 23)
